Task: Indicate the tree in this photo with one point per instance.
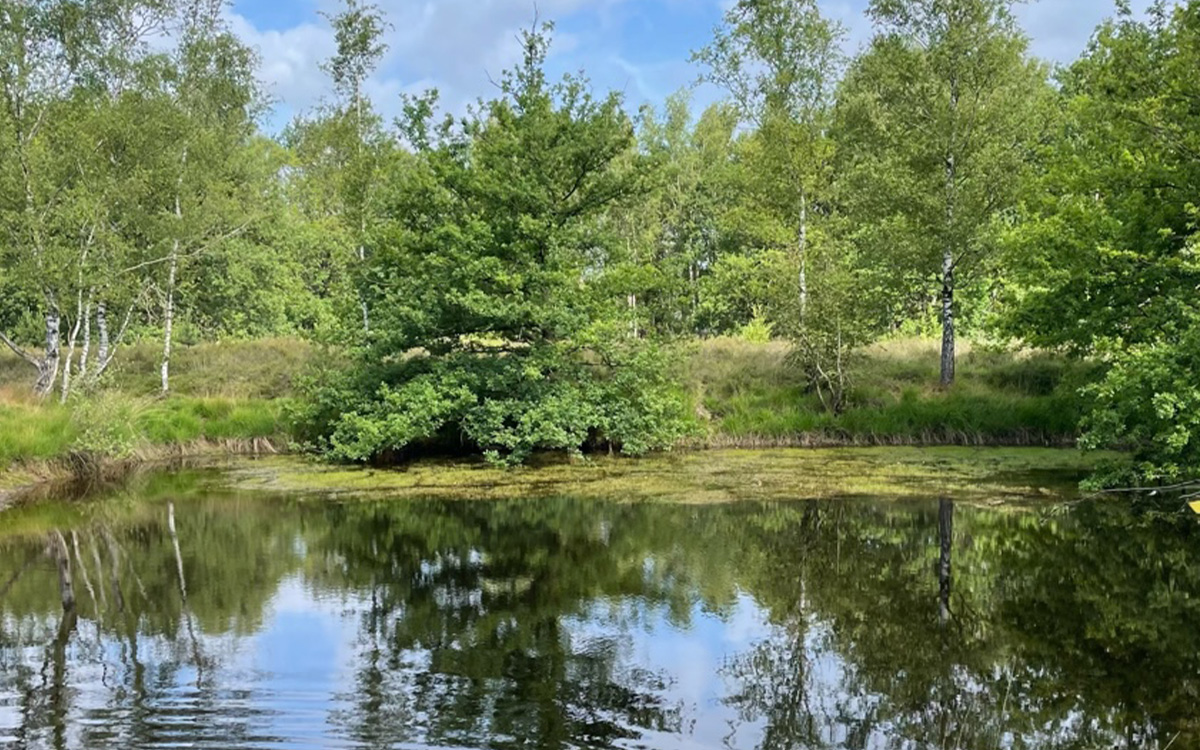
(494, 323)
(1105, 259)
(780, 61)
(937, 122)
(341, 153)
(674, 234)
(205, 191)
(65, 70)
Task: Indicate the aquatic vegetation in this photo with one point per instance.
(705, 477)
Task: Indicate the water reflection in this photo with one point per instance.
(253, 621)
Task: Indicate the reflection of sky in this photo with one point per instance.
(304, 655)
(691, 658)
(281, 685)
(302, 662)
(293, 682)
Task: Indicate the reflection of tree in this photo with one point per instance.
(1064, 630)
(118, 590)
(470, 613)
(945, 550)
(508, 623)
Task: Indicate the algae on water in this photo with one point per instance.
(702, 477)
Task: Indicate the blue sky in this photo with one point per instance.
(639, 47)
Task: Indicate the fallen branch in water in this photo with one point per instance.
(1188, 492)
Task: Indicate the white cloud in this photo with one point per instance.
(459, 46)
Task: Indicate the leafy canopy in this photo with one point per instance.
(494, 322)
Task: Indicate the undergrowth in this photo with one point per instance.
(749, 393)
(753, 395)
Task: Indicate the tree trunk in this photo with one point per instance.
(108, 348)
(48, 366)
(86, 351)
(62, 558)
(114, 571)
(948, 341)
(169, 319)
(83, 572)
(72, 338)
(178, 553)
(802, 249)
(948, 254)
(945, 538)
(362, 298)
(102, 332)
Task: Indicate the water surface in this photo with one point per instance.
(272, 621)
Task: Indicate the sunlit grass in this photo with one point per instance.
(119, 425)
(34, 432)
(754, 395)
(749, 393)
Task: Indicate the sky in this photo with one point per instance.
(637, 47)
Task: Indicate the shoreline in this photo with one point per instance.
(24, 481)
(73, 474)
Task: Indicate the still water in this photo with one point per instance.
(267, 621)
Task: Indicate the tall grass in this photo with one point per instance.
(755, 396)
(228, 392)
(119, 426)
(34, 432)
(257, 369)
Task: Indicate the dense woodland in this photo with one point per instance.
(518, 277)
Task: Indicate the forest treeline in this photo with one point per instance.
(514, 277)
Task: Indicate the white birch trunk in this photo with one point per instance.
(169, 317)
(802, 248)
(71, 340)
(948, 254)
(102, 332)
(86, 351)
(49, 363)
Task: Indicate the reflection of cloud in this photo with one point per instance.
(690, 659)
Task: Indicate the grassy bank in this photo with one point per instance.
(754, 396)
(749, 394)
(226, 397)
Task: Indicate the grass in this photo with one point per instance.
(749, 393)
(258, 369)
(33, 433)
(754, 396)
(232, 394)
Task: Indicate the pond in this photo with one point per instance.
(210, 613)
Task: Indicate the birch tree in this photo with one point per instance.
(341, 152)
(62, 66)
(780, 61)
(937, 124)
(205, 179)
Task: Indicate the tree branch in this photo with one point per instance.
(19, 351)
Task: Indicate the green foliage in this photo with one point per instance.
(759, 330)
(1149, 401)
(492, 315)
(938, 119)
(1104, 262)
(107, 426)
(517, 279)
